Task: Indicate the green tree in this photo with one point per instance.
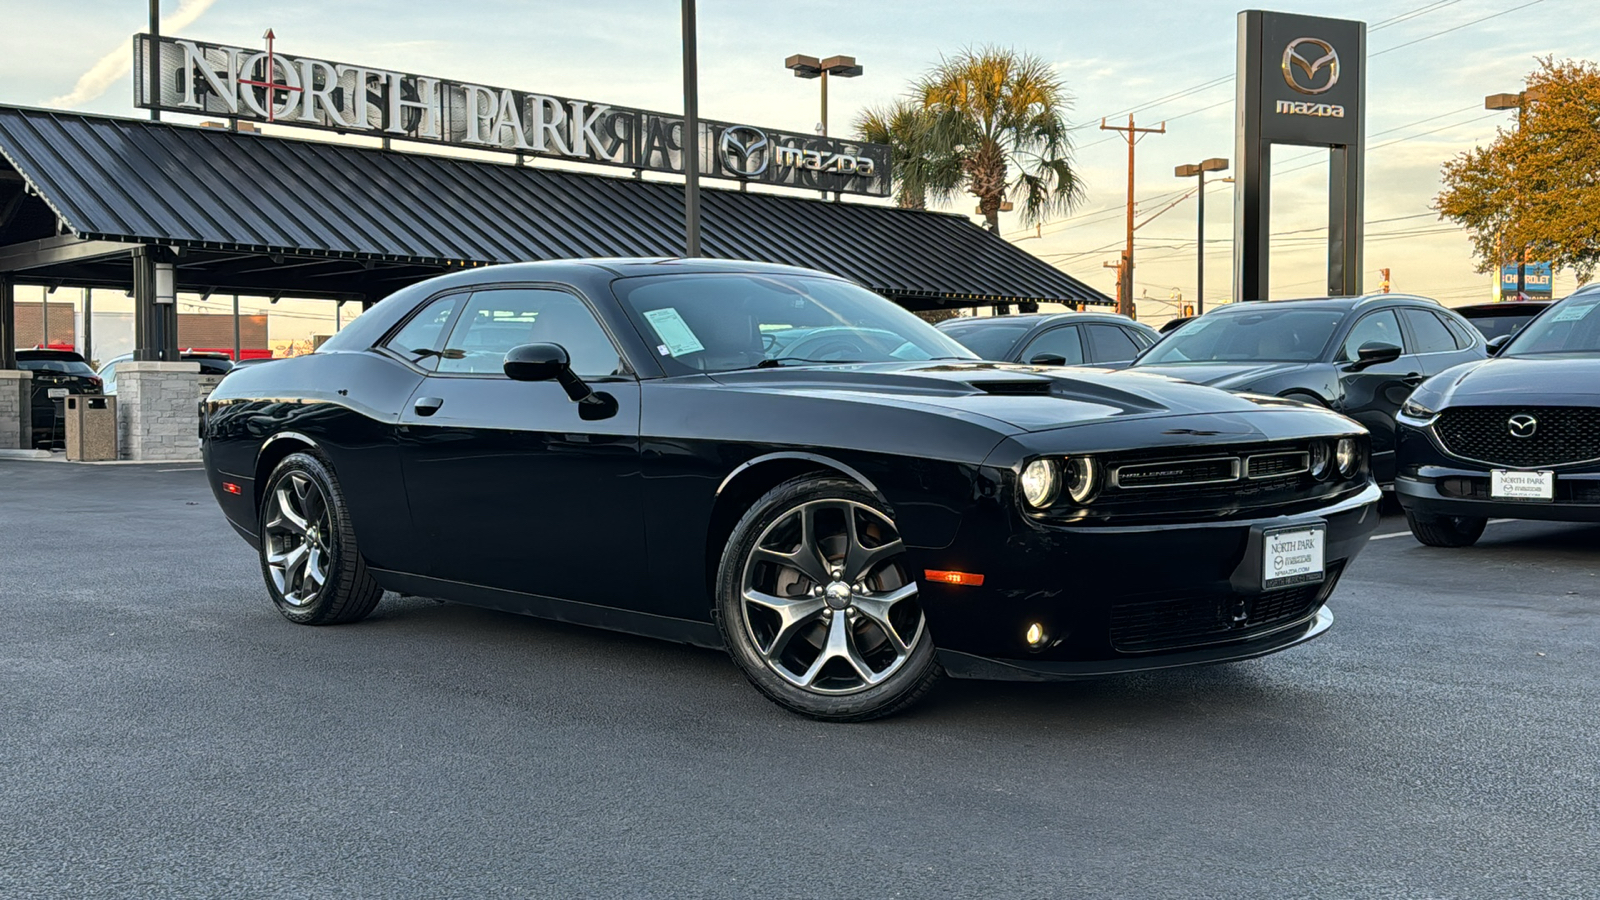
(1536, 187)
(922, 166)
(1003, 115)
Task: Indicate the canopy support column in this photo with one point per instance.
(8, 323)
(155, 308)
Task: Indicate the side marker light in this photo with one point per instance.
(230, 487)
(952, 577)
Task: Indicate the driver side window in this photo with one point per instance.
(1379, 327)
(494, 321)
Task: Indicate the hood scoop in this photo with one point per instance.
(1030, 388)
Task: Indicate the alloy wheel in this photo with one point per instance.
(827, 605)
(298, 534)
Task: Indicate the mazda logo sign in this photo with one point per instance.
(744, 151)
(1522, 426)
(1304, 59)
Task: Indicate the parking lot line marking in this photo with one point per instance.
(1395, 534)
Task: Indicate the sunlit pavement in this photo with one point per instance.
(167, 734)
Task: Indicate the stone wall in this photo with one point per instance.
(16, 410)
(157, 410)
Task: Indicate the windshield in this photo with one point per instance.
(1492, 327)
(1571, 326)
(990, 340)
(56, 366)
(1270, 335)
(718, 322)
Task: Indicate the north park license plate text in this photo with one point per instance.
(1292, 556)
(1508, 485)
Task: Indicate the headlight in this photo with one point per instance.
(1083, 478)
(1348, 457)
(1321, 460)
(1416, 412)
(1039, 483)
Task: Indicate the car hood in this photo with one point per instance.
(1553, 380)
(1225, 375)
(1027, 398)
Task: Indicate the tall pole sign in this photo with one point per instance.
(1302, 80)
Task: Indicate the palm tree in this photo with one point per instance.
(921, 167)
(1004, 115)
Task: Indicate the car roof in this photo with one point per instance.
(637, 266)
(41, 353)
(1033, 319)
(1338, 303)
(1507, 308)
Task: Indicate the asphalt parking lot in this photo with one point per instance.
(167, 734)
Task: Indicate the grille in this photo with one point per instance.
(1167, 623)
(1270, 465)
(1177, 472)
(1564, 434)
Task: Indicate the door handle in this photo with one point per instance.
(427, 406)
(1414, 379)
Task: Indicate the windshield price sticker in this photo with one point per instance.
(1292, 556)
(1505, 484)
(1574, 313)
(674, 332)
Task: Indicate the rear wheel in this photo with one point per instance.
(817, 607)
(313, 569)
(1446, 531)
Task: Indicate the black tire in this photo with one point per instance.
(325, 537)
(1446, 531)
(870, 621)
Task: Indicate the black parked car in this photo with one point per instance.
(1103, 340)
(1360, 356)
(1516, 436)
(210, 364)
(56, 373)
(1501, 320)
(617, 443)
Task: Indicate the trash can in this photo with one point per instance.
(91, 427)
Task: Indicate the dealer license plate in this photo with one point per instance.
(55, 393)
(1508, 485)
(1292, 556)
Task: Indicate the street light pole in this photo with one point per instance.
(810, 67)
(691, 136)
(1215, 164)
(1519, 102)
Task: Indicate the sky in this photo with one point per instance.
(1430, 64)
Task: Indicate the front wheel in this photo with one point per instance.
(817, 607)
(1446, 531)
(314, 572)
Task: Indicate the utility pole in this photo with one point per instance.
(691, 136)
(1125, 279)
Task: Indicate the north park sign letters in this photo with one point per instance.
(267, 86)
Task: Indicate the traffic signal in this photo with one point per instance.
(1385, 286)
(1188, 310)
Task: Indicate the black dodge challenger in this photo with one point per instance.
(646, 445)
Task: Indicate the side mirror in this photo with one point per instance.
(1374, 352)
(1047, 359)
(1498, 344)
(546, 362)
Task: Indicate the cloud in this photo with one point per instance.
(111, 67)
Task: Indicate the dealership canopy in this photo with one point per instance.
(93, 201)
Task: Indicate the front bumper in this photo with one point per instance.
(1127, 598)
(1430, 483)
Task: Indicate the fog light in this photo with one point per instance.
(1035, 635)
(1347, 457)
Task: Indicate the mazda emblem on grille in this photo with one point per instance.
(1522, 426)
